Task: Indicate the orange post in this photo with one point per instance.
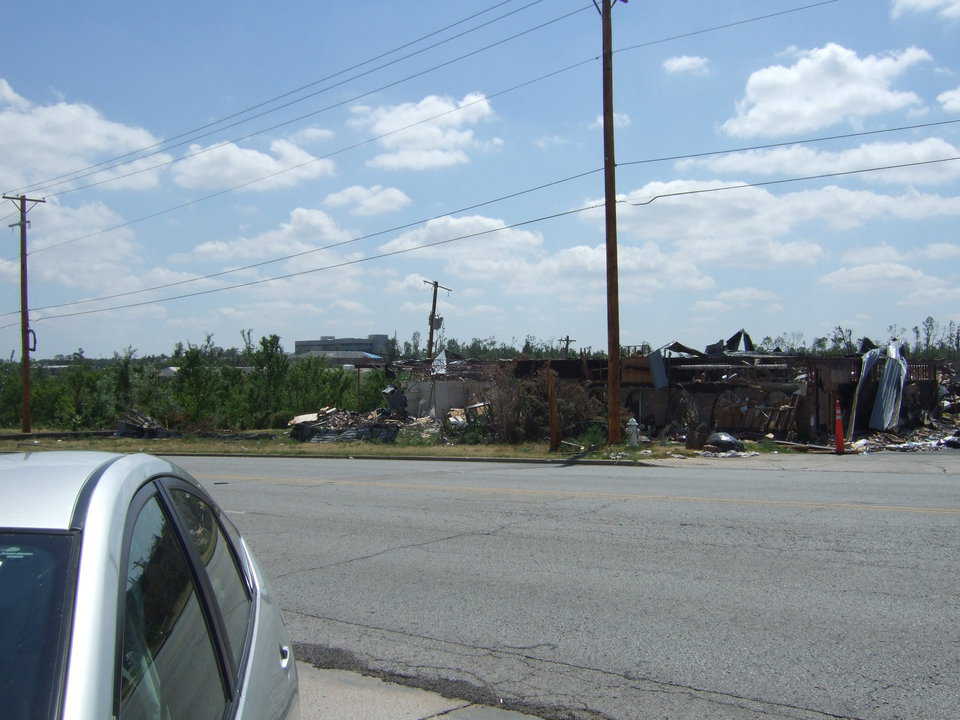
(838, 428)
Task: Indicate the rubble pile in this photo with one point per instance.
(331, 424)
(133, 424)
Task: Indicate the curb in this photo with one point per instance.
(429, 458)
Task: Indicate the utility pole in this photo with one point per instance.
(566, 345)
(433, 316)
(25, 331)
(610, 194)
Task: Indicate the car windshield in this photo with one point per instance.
(33, 613)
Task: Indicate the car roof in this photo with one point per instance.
(41, 490)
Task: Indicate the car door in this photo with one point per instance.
(222, 635)
(171, 663)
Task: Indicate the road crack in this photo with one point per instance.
(486, 696)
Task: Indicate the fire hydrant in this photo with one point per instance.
(633, 433)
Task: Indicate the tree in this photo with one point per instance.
(929, 331)
(841, 340)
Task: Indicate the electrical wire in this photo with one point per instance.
(665, 158)
(513, 88)
(291, 256)
(820, 176)
(243, 111)
(345, 263)
(314, 113)
(342, 150)
(735, 23)
(446, 241)
(787, 143)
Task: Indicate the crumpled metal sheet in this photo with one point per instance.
(886, 406)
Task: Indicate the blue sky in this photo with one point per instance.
(91, 83)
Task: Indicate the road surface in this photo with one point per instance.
(769, 587)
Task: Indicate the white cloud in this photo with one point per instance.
(710, 307)
(229, 165)
(739, 299)
(489, 253)
(311, 134)
(620, 120)
(9, 97)
(40, 142)
(746, 296)
(350, 306)
(941, 251)
(368, 201)
(751, 227)
(306, 230)
(548, 141)
(439, 142)
(690, 64)
(413, 282)
(803, 160)
(950, 100)
(520, 262)
(883, 253)
(878, 277)
(85, 264)
(825, 86)
(946, 8)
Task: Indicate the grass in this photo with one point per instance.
(278, 444)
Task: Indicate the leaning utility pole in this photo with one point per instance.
(25, 331)
(433, 315)
(610, 193)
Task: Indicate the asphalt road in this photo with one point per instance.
(774, 588)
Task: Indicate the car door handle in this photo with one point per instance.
(284, 655)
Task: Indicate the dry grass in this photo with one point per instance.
(280, 445)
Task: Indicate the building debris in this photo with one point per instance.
(136, 425)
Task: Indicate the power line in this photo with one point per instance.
(664, 158)
(341, 243)
(314, 113)
(299, 273)
(513, 88)
(342, 150)
(446, 241)
(726, 26)
(238, 113)
(787, 143)
(821, 176)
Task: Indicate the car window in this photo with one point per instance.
(225, 578)
(33, 611)
(168, 664)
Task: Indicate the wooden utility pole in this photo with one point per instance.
(610, 194)
(433, 316)
(25, 332)
(566, 345)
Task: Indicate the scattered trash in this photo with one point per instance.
(728, 454)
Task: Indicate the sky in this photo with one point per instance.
(353, 151)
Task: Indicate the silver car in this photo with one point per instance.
(125, 592)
